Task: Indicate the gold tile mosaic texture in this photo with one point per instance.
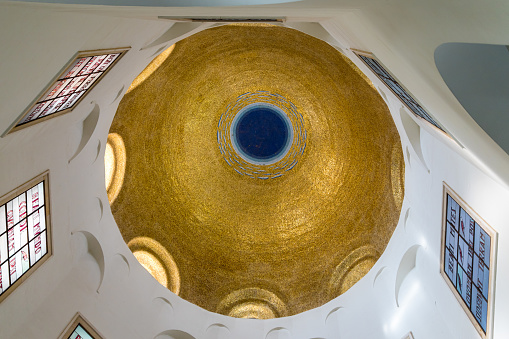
(228, 232)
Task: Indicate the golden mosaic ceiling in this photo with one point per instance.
(244, 245)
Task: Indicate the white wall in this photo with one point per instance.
(92, 270)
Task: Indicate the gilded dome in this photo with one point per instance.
(254, 226)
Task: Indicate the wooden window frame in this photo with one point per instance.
(15, 127)
(447, 190)
(44, 177)
(79, 319)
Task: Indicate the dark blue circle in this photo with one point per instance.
(262, 133)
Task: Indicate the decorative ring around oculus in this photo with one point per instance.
(261, 135)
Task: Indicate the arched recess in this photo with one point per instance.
(94, 213)
(156, 259)
(377, 275)
(100, 207)
(332, 326)
(93, 247)
(406, 265)
(115, 160)
(279, 333)
(162, 313)
(97, 150)
(408, 218)
(252, 302)
(478, 76)
(117, 273)
(174, 334)
(332, 314)
(89, 125)
(163, 307)
(218, 331)
(351, 269)
(119, 260)
(119, 94)
(413, 132)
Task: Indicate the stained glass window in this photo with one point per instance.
(467, 259)
(78, 78)
(24, 238)
(80, 333)
(79, 328)
(397, 89)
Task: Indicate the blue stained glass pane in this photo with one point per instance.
(398, 89)
(452, 211)
(479, 308)
(481, 276)
(468, 246)
(450, 266)
(465, 256)
(467, 227)
(482, 244)
(451, 240)
(262, 133)
(464, 286)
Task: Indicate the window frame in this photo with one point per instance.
(447, 190)
(79, 319)
(438, 127)
(44, 177)
(81, 54)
